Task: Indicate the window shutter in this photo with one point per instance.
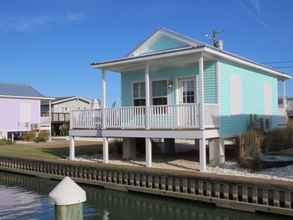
(235, 95)
(267, 99)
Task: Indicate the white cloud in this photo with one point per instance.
(253, 8)
(29, 23)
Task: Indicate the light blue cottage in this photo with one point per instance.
(176, 87)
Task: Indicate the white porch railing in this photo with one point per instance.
(140, 117)
(86, 119)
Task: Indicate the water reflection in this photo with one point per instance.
(23, 197)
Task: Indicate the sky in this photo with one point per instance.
(51, 44)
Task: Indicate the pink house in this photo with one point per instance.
(20, 110)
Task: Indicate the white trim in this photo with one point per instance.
(132, 88)
(25, 97)
(195, 88)
(202, 92)
(186, 51)
(165, 54)
(151, 90)
(121, 133)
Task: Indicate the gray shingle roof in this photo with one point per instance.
(8, 89)
(62, 97)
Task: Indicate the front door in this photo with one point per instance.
(186, 95)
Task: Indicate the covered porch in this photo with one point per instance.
(177, 110)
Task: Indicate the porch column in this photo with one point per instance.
(50, 120)
(105, 150)
(147, 93)
(104, 97)
(285, 94)
(214, 153)
(71, 148)
(202, 142)
(104, 89)
(217, 152)
(222, 158)
(148, 152)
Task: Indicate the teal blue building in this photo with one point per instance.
(173, 86)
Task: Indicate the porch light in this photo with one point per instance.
(170, 84)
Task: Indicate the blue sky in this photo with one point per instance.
(50, 44)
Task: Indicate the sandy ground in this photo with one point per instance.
(229, 168)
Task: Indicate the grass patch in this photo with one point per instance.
(6, 142)
(53, 151)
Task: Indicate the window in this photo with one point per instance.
(139, 94)
(159, 92)
(188, 91)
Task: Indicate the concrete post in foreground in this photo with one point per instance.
(68, 197)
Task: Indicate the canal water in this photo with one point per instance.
(23, 197)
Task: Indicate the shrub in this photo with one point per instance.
(6, 142)
(29, 136)
(250, 149)
(279, 138)
(43, 136)
(64, 130)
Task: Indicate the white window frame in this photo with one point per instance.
(132, 91)
(151, 91)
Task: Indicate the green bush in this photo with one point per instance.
(6, 142)
(250, 149)
(43, 136)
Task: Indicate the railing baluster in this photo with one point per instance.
(160, 117)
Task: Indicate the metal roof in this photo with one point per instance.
(9, 89)
(197, 45)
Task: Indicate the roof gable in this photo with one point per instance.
(161, 40)
(70, 98)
